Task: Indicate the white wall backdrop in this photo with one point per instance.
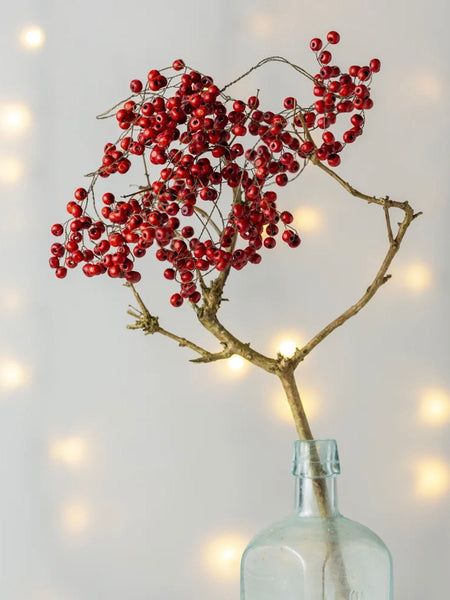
(128, 472)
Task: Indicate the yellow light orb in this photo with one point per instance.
(260, 24)
(222, 555)
(71, 451)
(287, 345)
(14, 118)
(13, 374)
(236, 363)
(427, 86)
(308, 219)
(75, 518)
(32, 37)
(434, 407)
(417, 276)
(11, 170)
(12, 301)
(432, 478)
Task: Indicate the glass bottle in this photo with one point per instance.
(316, 553)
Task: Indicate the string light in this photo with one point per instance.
(71, 450)
(308, 219)
(286, 345)
(434, 407)
(13, 374)
(75, 518)
(12, 301)
(417, 276)
(14, 118)
(11, 170)
(428, 86)
(32, 37)
(223, 555)
(259, 24)
(236, 363)
(432, 478)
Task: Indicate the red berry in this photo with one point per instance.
(315, 44)
(80, 194)
(334, 160)
(176, 300)
(289, 102)
(286, 217)
(132, 276)
(136, 86)
(61, 272)
(178, 64)
(375, 65)
(57, 229)
(364, 73)
(325, 57)
(282, 179)
(357, 120)
(270, 242)
(333, 37)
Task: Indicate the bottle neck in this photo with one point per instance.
(315, 465)
(316, 497)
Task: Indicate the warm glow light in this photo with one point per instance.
(13, 374)
(71, 450)
(417, 276)
(286, 346)
(308, 219)
(223, 555)
(259, 24)
(432, 478)
(434, 407)
(32, 37)
(428, 86)
(75, 518)
(236, 363)
(11, 169)
(311, 404)
(12, 301)
(14, 118)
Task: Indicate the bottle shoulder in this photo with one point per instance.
(296, 531)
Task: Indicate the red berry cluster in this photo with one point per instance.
(339, 93)
(191, 133)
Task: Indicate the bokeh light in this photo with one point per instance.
(71, 450)
(13, 374)
(286, 345)
(260, 24)
(75, 518)
(427, 85)
(12, 301)
(432, 478)
(308, 219)
(32, 37)
(417, 276)
(237, 364)
(14, 118)
(434, 408)
(222, 555)
(11, 169)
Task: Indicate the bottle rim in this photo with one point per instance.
(315, 459)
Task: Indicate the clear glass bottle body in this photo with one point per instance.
(316, 553)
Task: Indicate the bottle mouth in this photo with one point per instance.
(315, 459)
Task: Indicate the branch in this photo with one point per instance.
(150, 325)
(380, 278)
